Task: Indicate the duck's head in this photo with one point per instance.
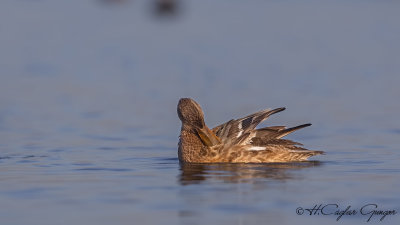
(190, 113)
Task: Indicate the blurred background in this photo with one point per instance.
(85, 82)
(118, 67)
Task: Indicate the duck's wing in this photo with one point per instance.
(235, 131)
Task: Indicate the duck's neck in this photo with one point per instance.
(191, 148)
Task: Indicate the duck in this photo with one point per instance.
(236, 141)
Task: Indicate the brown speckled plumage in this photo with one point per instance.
(236, 141)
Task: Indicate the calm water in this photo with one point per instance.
(88, 124)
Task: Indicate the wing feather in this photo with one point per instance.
(235, 130)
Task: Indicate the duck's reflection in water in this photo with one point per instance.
(240, 173)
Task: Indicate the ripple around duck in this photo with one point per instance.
(241, 172)
(108, 148)
(104, 138)
(149, 148)
(33, 192)
(5, 157)
(173, 160)
(22, 158)
(394, 131)
(104, 169)
(27, 161)
(165, 159)
(170, 159)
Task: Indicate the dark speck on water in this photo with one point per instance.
(166, 7)
(88, 96)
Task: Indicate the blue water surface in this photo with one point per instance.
(88, 124)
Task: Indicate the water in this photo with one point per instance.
(88, 124)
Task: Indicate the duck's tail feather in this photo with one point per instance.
(304, 154)
(276, 132)
(291, 130)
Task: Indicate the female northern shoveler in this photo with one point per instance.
(236, 141)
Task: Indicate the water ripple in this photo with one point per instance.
(104, 169)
